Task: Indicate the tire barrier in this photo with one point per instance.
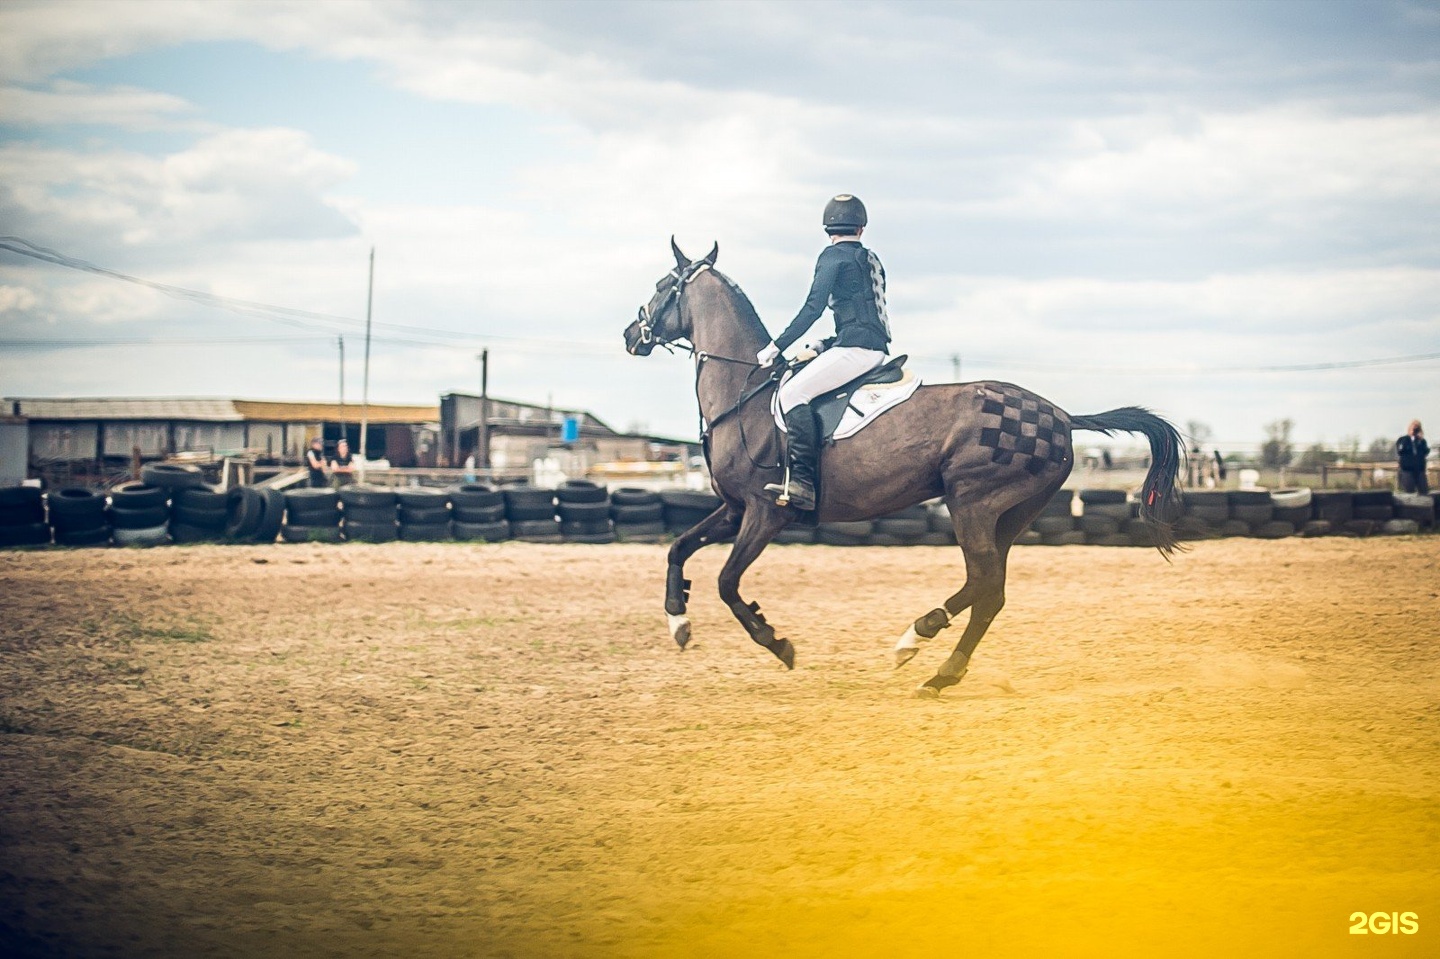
(146, 514)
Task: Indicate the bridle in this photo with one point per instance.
(646, 322)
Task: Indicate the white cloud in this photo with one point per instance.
(66, 102)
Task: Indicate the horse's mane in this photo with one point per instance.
(744, 309)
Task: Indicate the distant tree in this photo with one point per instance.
(1381, 450)
(1350, 447)
(1198, 432)
(1277, 450)
(1317, 456)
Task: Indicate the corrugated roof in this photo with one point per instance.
(170, 408)
(215, 410)
(266, 411)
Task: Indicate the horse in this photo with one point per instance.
(996, 453)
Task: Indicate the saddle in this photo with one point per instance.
(844, 412)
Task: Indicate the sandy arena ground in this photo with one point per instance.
(446, 750)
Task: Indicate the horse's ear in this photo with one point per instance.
(681, 260)
(713, 254)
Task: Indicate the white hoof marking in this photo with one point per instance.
(907, 647)
(679, 629)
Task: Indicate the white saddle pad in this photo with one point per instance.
(864, 406)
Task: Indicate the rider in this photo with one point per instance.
(851, 281)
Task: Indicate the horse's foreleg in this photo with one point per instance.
(719, 525)
(757, 529)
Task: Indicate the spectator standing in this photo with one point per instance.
(1411, 449)
(315, 462)
(342, 467)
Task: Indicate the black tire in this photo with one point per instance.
(1376, 513)
(916, 512)
(316, 501)
(833, 537)
(593, 539)
(272, 517)
(698, 500)
(147, 518)
(371, 515)
(947, 538)
(184, 533)
(1213, 515)
(208, 498)
(906, 528)
(96, 536)
(310, 534)
(27, 534)
(584, 512)
(789, 536)
(526, 528)
(476, 496)
(581, 491)
(528, 497)
(423, 498)
(138, 495)
(245, 508)
(1253, 513)
(76, 507)
(479, 515)
(154, 536)
(584, 527)
(369, 532)
(367, 497)
(20, 495)
(518, 513)
(423, 515)
(1050, 525)
(22, 514)
(646, 513)
(640, 532)
(1335, 506)
(319, 516)
(1061, 504)
(1249, 497)
(213, 520)
(1094, 526)
(1273, 530)
(492, 532)
(633, 496)
(1372, 497)
(1207, 497)
(859, 529)
(172, 476)
(1102, 496)
(425, 532)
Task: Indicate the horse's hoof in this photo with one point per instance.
(679, 629)
(904, 654)
(784, 651)
(926, 692)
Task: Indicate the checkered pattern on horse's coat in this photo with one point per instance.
(1021, 424)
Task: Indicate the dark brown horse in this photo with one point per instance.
(996, 453)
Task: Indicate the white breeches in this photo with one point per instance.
(830, 370)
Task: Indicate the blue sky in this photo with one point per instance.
(1110, 203)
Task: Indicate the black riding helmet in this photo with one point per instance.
(844, 214)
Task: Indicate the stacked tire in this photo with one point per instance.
(370, 514)
(682, 508)
(638, 515)
(198, 514)
(77, 517)
(1105, 516)
(942, 528)
(477, 514)
(845, 533)
(254, 514)
(22, 517)
(531, 512)
(311, 516)
(139, 512)
(1055, 525)
(583, 509)
(424, 515)
(906, 527)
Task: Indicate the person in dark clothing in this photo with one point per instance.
(342, 467)
(850, 280)
(315, 462)
(1411, 449)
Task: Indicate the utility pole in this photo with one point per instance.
(482, 454)
(955, 367)
(341, 340)
(365, 380)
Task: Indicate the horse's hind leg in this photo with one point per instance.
(757, 528)
(719, 525)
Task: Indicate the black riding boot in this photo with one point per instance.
(802, 428)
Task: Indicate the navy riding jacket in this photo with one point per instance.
(850, 280)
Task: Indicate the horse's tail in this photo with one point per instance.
(1160, 493)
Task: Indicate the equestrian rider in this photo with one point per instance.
(850, 280)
